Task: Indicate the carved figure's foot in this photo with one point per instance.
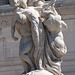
(32, 68)
(24, 72)
(41, 68)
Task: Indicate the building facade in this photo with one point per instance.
(10, 63)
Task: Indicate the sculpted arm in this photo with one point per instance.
(54, 10)
(13, 32)
(35, 35)
(38, 8)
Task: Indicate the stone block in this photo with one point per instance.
(6, 32)
(1, 49)
(69, 73)
(11, 62)
(69, 56)
(68, 2)
(5, 21)
(69, 35)
(68, 63)
(11, 70)
(0, 31)
(3, 2)
(68, 68)
(11, 49)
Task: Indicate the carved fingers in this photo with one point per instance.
(64, 24)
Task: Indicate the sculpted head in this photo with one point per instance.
(18, 3)
(21, 18)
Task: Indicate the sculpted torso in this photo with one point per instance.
(54, 25)
(23, 29)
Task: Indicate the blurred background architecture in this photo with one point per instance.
(10, 63)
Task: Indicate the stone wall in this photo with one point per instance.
(10, 63)
(4, 2)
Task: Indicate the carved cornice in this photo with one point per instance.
(67, 12)
(6, 10)
(4, 2)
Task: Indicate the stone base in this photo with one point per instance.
(39, 72)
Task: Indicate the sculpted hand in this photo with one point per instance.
(15, 38)
(64, 24)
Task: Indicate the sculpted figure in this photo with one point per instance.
(37, 34)
(54, 25)
(34, 17)
(24, 28)
(41, 44)
(55, 47)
